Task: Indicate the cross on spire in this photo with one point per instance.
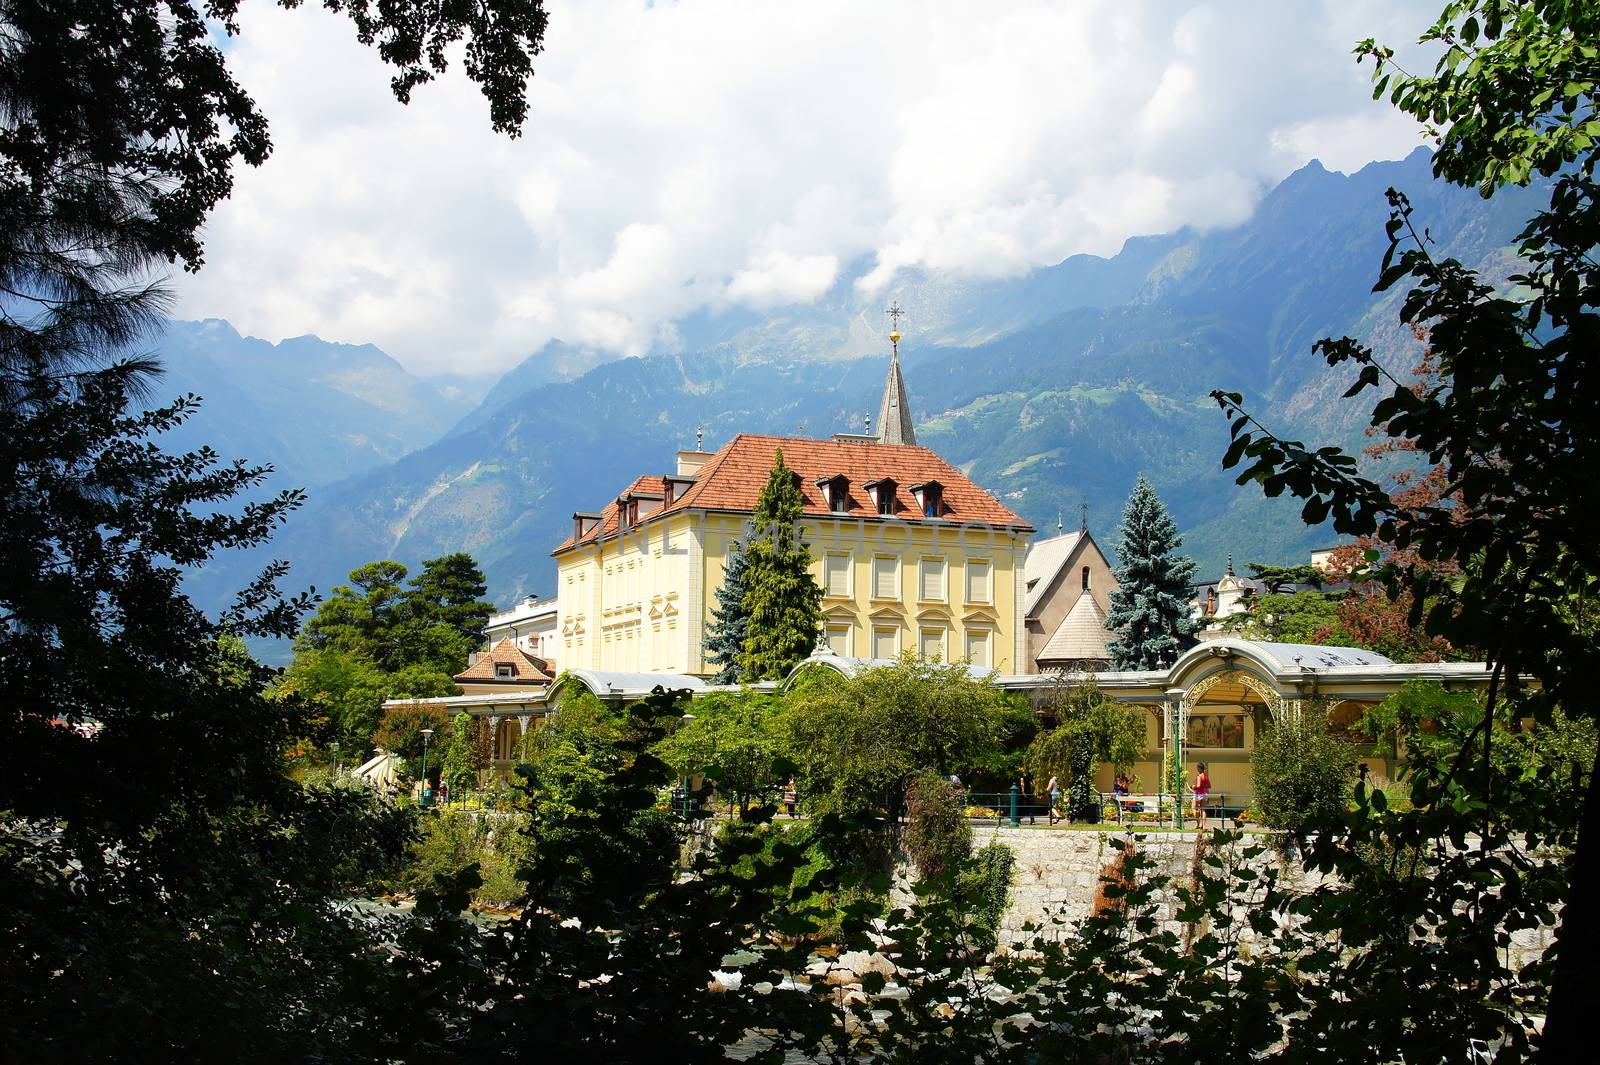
(894, 414)
(1083, 515)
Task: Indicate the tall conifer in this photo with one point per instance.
(782, 599)
(1150, 608)
(730, 620)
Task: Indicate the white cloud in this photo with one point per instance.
(777, 278)
(708, 153)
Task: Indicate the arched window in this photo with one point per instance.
(1086, 578)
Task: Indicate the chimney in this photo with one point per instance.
(689, 462)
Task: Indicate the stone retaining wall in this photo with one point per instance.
(1058, 873)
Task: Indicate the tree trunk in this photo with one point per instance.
(1568, 1034)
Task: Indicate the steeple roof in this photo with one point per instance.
(894, 416)
(1081, 636)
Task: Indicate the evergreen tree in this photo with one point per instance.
(451, 589)
(730, 621)
(781, 598)
(1150, 608)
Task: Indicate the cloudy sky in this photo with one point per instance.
(708, 154)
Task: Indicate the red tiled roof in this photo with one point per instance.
(526, 669)
(733, 477)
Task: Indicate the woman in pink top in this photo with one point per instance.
(1202, 794)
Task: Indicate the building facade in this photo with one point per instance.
(531, 625)
(1068, 594)
(909, 552)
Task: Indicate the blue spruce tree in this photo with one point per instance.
(730, 620)
(1150, 608)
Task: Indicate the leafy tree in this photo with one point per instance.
(1508, 419)
(782, 598)
(163, 877)
(380, 637)
(361, 617)
(1368, 617)
(1276, 577)
(460, 764)
(1090, 729)
(1296, 617)
(591, 780)
(730, 619)
(1150, 608)
(859, 741)
(733, 739)
(1431, 724)
(1302, 772)
(347, 690)
(400, 733)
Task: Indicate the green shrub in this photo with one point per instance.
(1303, 773)
(1089, 729)
(938, 838)
(451, 840)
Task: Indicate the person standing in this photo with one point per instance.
(791, 797)
(1202, 795)
(1054, 788)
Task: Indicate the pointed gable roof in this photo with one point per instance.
(525, 669)
(1081, 635)
(1044, 563)
(894, 414)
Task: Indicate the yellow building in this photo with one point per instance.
(909, 553)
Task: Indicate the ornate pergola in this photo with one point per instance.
(1210, 703)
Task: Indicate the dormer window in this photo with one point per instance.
(882, 492)
(583, 524)
(835, 492)
(505, 670)
(930, 498)
(673, 489)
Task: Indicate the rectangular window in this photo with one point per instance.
(838, 581)
(978, 649)
(885, 577)
(932, 590)
(885, 643)
(839, 640)
(979, 588)
(931, 644)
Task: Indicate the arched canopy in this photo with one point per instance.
(824, 658)
(610, 685)
(1281, 665)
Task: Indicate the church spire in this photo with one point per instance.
(894, 416)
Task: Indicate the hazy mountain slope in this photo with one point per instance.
(318, 411)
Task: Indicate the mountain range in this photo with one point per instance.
(1053, 390)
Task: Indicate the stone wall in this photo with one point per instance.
(1058, 875)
